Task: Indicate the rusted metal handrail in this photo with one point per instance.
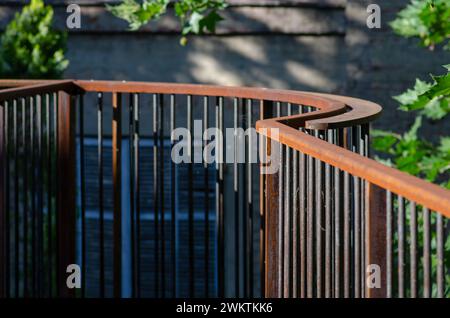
(403, 184)
(372, 231)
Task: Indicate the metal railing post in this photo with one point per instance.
(266, 111)
(272, 210)
(2, 204)
(66, 191)
(375, 241)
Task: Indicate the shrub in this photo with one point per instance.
(31, 47)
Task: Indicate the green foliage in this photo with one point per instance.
(195, 16)
(139, 14)
(30, 47)
(408, 151)
(431, 99)
(427, 19)
(430, 21)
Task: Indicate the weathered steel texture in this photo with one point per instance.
(271, 235)
(320, 165)
(376, 239)
(413, 188)
(66, 195)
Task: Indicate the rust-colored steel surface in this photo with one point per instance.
(403, 184)
(326, 216)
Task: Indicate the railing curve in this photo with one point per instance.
(323, 217)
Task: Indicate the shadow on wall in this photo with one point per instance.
(266, 58)
(301, 48)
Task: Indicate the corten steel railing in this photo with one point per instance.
(308, 230)
(332, 214)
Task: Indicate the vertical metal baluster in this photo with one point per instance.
(355, 135)
(161, 186)
(303, 204)
(132, 195)
(346, 241)
(8, 198)
(25, 198)
(4, 209)
(357, 237)
(310, 228)
(413, 249)
(16, 199)
(280, 256)
(38, 164)
(426, 254)
(328, 227)
(265, 111)
(173, 231)
(337, 232)
(389, 244)
(318, 210)
(219, 201)
(236, 196)
(364, 145)
(295, 225)
(338, 213)
(132, 198)
(117, 188)
(401, 247)
(100, 192)
(55, 182)
(41, 183)
(49, 196)
(250, 200)
(440, 275)
(190, 198)
(337, 228)
(280, 213)
(244, 205)
(156, 192)
(206, 198)
(287, 226)
(287, 283)
(137, 190)
(33, 197)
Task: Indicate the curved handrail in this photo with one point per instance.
(413, 188)
(334, 111)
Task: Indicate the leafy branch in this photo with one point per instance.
(428, 20)
(195, 16)
(410, 153)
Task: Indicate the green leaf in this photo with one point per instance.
(195, 23)
(211, 20)
(411, 135)
(445, 145)
(384, 141)
(432, 99)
